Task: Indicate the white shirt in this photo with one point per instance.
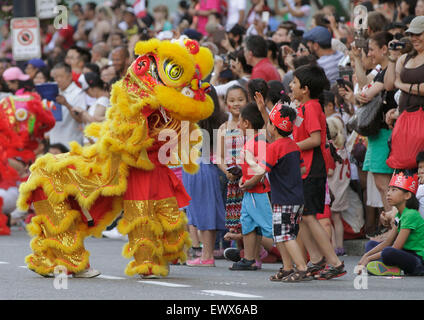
(68, 129)
(420, 197)
(300, 21)
(221, 90)
(234, 8)
(103, 101)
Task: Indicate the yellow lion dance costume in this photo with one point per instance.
(82, 192)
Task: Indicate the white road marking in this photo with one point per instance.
(165, 284)
(4, 262)
(103, 276)
(23, 267)
(231, 293)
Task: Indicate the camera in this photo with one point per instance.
(397, 45)
(345, 70)
(360, 40)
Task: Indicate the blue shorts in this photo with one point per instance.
(256, 214)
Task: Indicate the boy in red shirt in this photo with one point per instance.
(310, 135)
(285, 166)
(256, 214)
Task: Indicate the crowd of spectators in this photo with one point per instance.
(257, 46)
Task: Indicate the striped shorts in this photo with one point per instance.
(285, 221)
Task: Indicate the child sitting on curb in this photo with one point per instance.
(404, 247)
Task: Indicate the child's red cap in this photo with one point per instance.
(282, 123)
(408, 183)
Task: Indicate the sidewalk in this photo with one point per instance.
(355, 247)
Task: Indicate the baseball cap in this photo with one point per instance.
(14, 73)
(193, 34)
(416, 26)
(37, 63)
(319, 34)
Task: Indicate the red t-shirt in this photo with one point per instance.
(313, 120)
(264, 69)
(75, 77)
(68, 35)
(257, 147)
(283, 162)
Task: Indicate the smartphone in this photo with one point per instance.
(341, 82)
(265, 17)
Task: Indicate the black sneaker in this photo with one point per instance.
(244, 264)
(232, 254)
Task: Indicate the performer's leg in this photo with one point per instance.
(144, 231)
(58, 233)
(176, 236)
(156, 235)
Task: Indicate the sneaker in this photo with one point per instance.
(244, 264)
(378, 268)
(47, 275)
(232, 254)
(201, 263)
(331, 272)
(114, 234)
(87, 273)
(149, 276)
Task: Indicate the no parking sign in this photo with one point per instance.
(26, 38)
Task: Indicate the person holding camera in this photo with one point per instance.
(405, 72)
(378, 150)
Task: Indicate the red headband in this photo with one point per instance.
(281, 123)
(409, 183)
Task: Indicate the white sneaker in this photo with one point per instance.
(114, 234)
(87, 273)
(149, 276)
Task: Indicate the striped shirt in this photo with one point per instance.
(330, 64)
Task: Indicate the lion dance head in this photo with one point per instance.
(162, 89)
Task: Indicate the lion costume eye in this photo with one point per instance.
(173, 71)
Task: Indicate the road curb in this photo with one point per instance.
(355, 247)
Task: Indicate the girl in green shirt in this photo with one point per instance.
(404, 247)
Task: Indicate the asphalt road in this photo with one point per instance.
(184, 283)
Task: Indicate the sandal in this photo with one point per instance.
(281, 274)
(316, 268)
(331, 272)
(298, 276)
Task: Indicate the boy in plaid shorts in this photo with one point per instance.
(284, 163)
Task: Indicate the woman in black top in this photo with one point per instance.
(407, 74)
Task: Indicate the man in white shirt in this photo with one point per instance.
(72, 99)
